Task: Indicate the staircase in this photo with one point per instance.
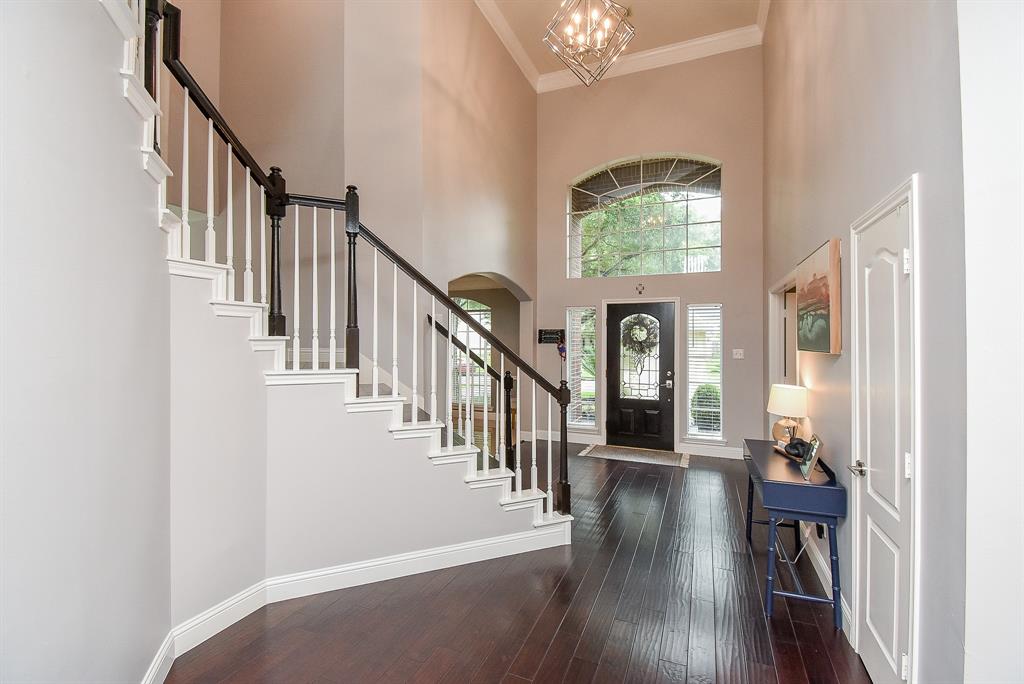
(403, 373)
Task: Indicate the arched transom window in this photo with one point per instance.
(646, 216)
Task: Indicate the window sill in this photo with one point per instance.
(706, 440)
(589, 429)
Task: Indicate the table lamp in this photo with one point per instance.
(790, 402)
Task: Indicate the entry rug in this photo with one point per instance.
(621, 453)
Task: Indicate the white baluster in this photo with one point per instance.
(462, 397)
(375, 375)
(486, 396)
(470, 427)
(186, 230)
(415, 361)
(394, 331)
(519, 439)
(263, 248)
(211, 235)
(448, 386)
(433, 360)
(536, 433)
(247, 275)
(551, 496)
(499, 423)
(315, 319)
(333, 361)
(295, 298)
(231, 232)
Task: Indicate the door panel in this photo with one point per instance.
(640, 377)
(883, 329)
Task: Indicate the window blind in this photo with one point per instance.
(704, 370)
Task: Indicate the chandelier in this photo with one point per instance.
(588, 36)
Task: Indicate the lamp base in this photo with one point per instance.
(785, 430)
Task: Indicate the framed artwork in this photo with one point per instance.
(819, 301)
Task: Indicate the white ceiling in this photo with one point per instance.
(667, 31)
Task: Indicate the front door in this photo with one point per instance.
(641, 374)
(883, 439)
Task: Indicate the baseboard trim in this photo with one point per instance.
(401, 565)
(162, 661)
(713, 450)
(824, 572)
(195, 631)
(208, 623)
(575, 437)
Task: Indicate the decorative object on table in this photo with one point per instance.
(588, 36)
(640, 338)
(811, 457)
(790, 402)
(819, 301)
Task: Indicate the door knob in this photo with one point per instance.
(667, 384)
(858, 469)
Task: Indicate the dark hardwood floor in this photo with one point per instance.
(659, 585)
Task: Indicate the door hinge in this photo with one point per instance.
(906, 261)
(908, 465)
(904, 667)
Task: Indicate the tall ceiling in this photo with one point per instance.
(658, 23)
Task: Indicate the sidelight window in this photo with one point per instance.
(582, 364)
(704, 370)
(646, 216)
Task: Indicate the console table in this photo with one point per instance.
(786, 495)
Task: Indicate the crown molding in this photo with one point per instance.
(762, 14)
(494, 17)
(705, 46)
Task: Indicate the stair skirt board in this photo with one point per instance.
(193, 632)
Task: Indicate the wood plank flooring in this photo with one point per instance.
(659, 585)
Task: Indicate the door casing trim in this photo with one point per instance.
(906, 192)
(603, 371)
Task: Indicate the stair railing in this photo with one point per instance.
(274, 200)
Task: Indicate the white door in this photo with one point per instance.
(883, 368)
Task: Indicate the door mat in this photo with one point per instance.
(621, 453)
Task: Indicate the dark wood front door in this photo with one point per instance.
(641, 375)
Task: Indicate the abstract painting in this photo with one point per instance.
(818, 301)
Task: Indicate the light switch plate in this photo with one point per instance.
(737, 353)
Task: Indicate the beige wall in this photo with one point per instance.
(479, 150)
(711, 108)
(858, 96)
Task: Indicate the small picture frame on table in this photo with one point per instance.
(811, 459)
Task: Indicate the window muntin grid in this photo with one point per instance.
(646, 217)
(478, 345)
(582, 364)
(704, 370)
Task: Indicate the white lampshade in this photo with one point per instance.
(788, 400)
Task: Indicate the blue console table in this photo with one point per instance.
(786, 495)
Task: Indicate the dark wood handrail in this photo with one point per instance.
(314, 201)
(432, 289)
(172, 58)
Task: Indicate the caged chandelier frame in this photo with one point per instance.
(588, 36)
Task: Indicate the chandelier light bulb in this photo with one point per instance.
(595, 14)
(576, 18)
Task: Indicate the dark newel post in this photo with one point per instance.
(154, 11)
(510, 445)
(352, 324)
(562, 496)
(276, 209)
